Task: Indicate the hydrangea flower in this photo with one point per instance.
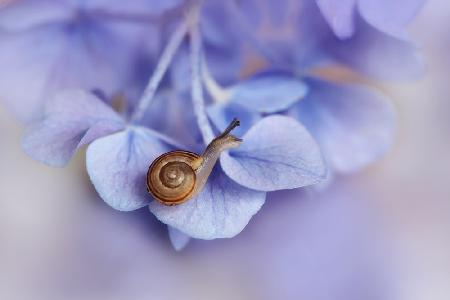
(278, 153)
(353, 123)
(265, 68)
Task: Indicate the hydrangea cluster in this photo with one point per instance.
(135, 79)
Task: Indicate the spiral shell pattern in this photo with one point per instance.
(171, 179)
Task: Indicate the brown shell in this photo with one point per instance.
(171, 178)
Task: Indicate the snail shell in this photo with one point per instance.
(171, 178)
(177, 176)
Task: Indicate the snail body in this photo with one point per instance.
(177, 176)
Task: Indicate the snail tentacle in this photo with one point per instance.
(234, 123)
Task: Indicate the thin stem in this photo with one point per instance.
(196, 86)
(219, 93)
(161, 68)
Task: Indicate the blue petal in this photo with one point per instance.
(353, 124)
(25, 14)
(279, 11)
(339, 15)
(150, 7)
(169, 115)
(221, 115)
(268, 93)
(180, 69)
(377, 54)
(118, 164)
(221, 210)
(389, 16)
(221, 39)
(277, 153)
(72, 119)
(28, 13)
(84, 53)
(288, 33)
(178, 239)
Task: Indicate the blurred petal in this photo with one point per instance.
(23, 88)
(150, 7)
(222, 40)
(178, 239)
(309, 41)
(339, 15)
(379, 55)
(221, 210)
(72, 119)
(180, 69)
(296, 43)
(268, 93)
(25, 14)
(389, 16)
(286, 33)
(353, 124)
(221, 115)
(82, 52)
(118, 164)
(277, 153)
(278, 10)
(169, 114)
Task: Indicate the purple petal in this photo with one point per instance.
(118, 164)
(83, 53)
(178, 239)
(379, 55)
(389, 16)
(28, 13)
(302, 47)
(215, 25)
(169, 115)
(72, 119)
(221, 39)
(268, 93)
(150, 7)
(277, 153)
(25, 14)
(221, 210)
(353, 124)
(279, 10)
(339, 15)
(23, 89)
(180, 69)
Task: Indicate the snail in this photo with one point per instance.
(177, 176)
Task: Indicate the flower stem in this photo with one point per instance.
(161, 68)
(198, 100)
(219, 93)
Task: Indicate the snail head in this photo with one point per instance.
(228, 139)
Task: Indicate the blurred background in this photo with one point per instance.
(383, 234)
